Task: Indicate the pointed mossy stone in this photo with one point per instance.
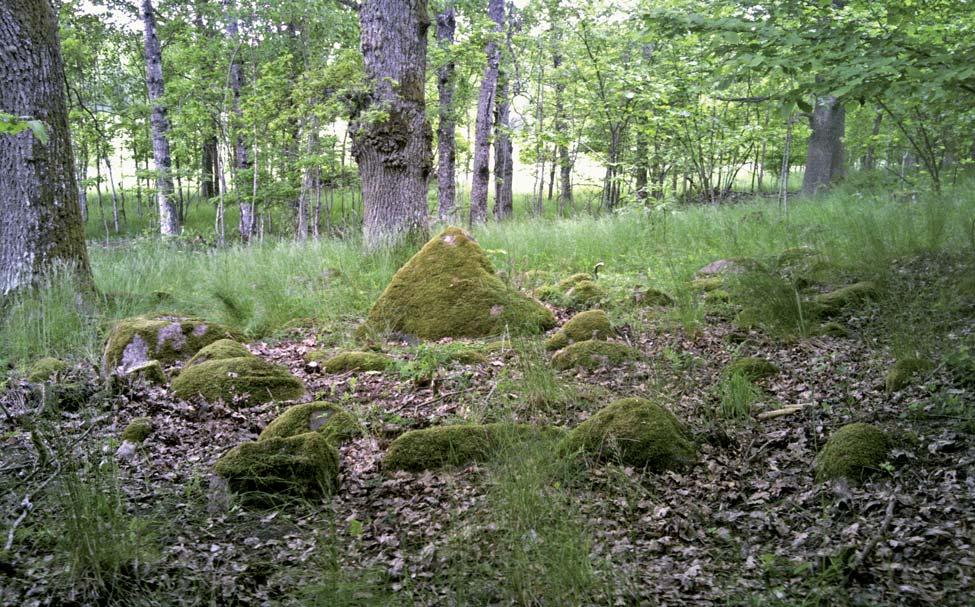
(449, 289)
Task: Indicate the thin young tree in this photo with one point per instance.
(485, 114)
(248, 216)
(40, 215)
(446, 144)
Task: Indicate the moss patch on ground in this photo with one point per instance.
(305, 465)
(218, 350)
(449, 289)
(578, 291)
(835, 301)
(163, 338)
(650, 296)
(331, 421)
(44, 369)
(904, 371)
(592, 354)
(854, 451)
(455, 445)
(593, 324)
(137, 430)
(246, 379)
(635, 432)
(356, 361)
(752, 368)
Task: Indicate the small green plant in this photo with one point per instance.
(773, 303)
(736, 395)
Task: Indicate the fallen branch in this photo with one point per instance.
(861, 557)
(780, 412)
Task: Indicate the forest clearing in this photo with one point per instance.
(382, 303)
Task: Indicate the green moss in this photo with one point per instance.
(635, 432)
(850, 295)
(592, 354)
(454, 445)
(46, 368)
(65, 396)
(305, 465)
(137, 430)
(652, 297)
(833, 329)
(854, 452)
(709, 284)
(578, 291)
(903, 372)
(961, 363)
(163, 338)
(593, 324)
(151, 371)
(800, 262)
(357, 361)
(331, 421)
(449, 289)
(751, 368)
(245, 379)
(567, 283)
(218, 350)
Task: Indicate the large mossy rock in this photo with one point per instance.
(449, 289)
(331, 421)
(593, 324)
(355, 361)
(455, 445)
(137, 430)
(45, 369)
(904, 371)
(164, 338)
(834, 302)
(593, 354)
(634, 432)
(219, 350)
(751, 368)
(305, 465)
(854, 451)
(245, 379)
(578, 291)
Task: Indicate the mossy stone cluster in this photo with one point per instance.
(650, 296)
(353, 361)
(578, 291)
(835, 301)
(454, 445)
(854, 451)
(150, 371)
(245, 379)
(45, 369)
(593, 354)
(218, 350)
(331, 421)
(164, 338)
(304, 465)
(904, 372)
(450, 289)
(137, 430)
(592, 324)
(634, 432)
(751, 368)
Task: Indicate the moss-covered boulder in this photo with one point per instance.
(137, 430)
(150, 371)
(854, 451)
(709, 284)
(833, 329)
(164, 338)
(245, 379)
(734, 265)
(834, 302)
(634, 432)
(650, 296)
(331, 421)
(449, 289)
(592, 354)
(592, 324)
(904, 372)
(752, 368)
(305, 465)
(578, 291)
(455, 445)
(218, 350)
(356, 361)
(45, 369)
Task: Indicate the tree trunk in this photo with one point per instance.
(641, 168)
(503, 153)
(446, 148)
(869, 162)
(311, 176)
(824, 157)
(485, 112)
(241, 160)
(168, 218)
(40, 216)
(393, 150)
(208, 184)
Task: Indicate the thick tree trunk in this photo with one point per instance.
(446, 148)
(503, 153)
(248, 217)
(393, 150)
(168, 217)
(40, 216)
(485, 113)
(825, 157)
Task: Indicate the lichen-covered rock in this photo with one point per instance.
(635, 432)
(592, 354)
(331, 421)
(150, 371)
(650, 296)
(734, 265)
(454, 445)
(305, 465)
(593, 324)
(752, 368)
(137, 430)
(854, 451)
(357, 361)
(903, 372)
(449, 289)
(164, 338)
(245, 379)
(218, 350)
(44, 369)
(850, 295)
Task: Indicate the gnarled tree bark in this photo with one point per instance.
(446, 148)
(824, 157)
(485, 113)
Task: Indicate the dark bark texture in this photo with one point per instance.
(485, 113)
(824, 157)
(248, 215)
(446, 148)
(159, 122)
(391, 138)
(40, 216)
(503, 152)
